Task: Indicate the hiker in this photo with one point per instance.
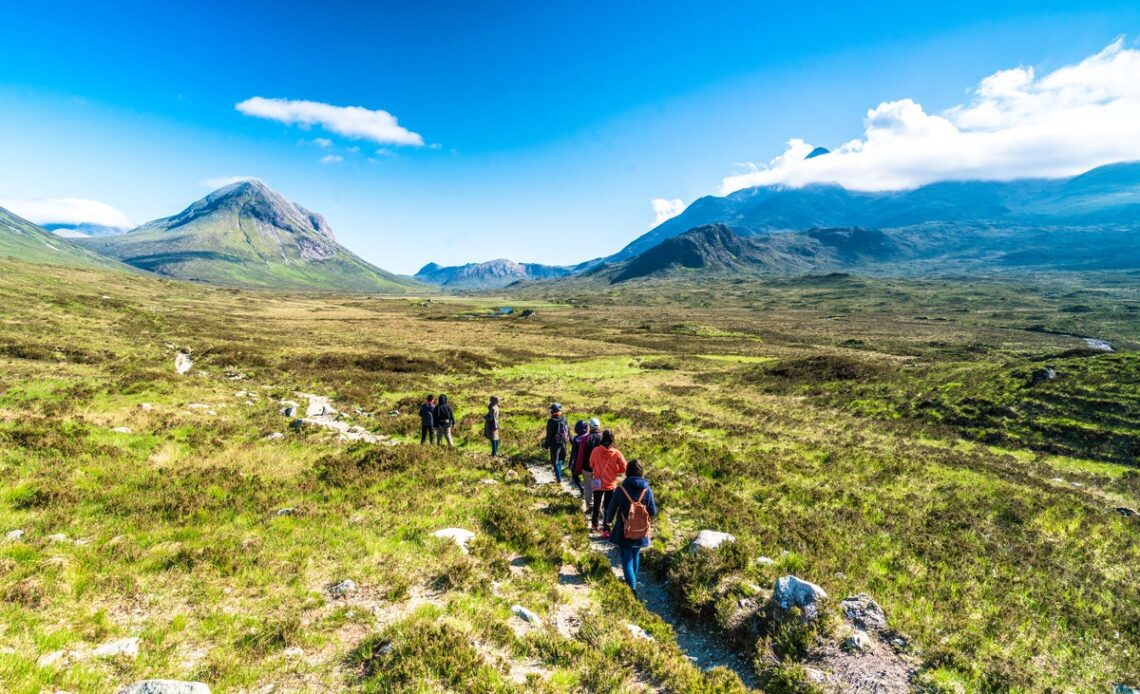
(491, 425)
(607, 463)
(581, 431)
(557, 436)
(582, 462)
(427, 420)
(444, 418)
(631, 510)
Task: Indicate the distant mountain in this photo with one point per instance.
(1105, 197)
(247, 235)
(82, 231)
(492, 274)
(22, 240)
(715, 250)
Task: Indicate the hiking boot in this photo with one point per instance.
(605, 534)
(593, 528)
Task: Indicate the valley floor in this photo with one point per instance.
(954, 449)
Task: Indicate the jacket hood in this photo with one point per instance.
(635, 483)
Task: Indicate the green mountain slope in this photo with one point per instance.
(22, 240)
(248, 235)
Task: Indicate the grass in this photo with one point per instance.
(872, 436)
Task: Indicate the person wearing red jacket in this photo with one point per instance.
(607, 463)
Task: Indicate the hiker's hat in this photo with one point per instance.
(594, 423)
(555, 407)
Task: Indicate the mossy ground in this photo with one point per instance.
(869, 435)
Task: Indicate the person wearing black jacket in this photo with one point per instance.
(427, 420)
(444, 419)
(557, 436)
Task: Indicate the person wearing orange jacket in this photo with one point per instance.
(607, 463)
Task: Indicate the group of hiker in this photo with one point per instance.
(436, 420)
(595, 466)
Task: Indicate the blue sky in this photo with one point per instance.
(547, 130)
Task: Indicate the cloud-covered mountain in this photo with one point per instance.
(1109, 195)
(22, 240)
(247, 235)
(83, 231)
(492, 274)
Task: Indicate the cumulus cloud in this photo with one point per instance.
(223, 181)
(350, 121)
(67, 211)
(322, 142)
(1017, 125)
(332, 159)
(666, 209)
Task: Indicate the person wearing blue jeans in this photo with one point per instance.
(557, 436)
(634, 487)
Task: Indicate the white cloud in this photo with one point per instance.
(351, 121)
(332, 159)
(322, 142)
(666, 209)
(1018, 125)
(67, 211)
(223, 181)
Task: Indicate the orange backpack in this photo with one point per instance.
(635, 526)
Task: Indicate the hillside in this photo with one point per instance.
(1101, 200)
(248, 235)
(492, 274)
(23, 240)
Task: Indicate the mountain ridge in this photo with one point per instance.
(491, 274)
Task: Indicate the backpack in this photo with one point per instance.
(635, 525)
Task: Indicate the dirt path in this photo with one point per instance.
(706, 649)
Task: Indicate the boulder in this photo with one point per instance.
(146, 407)
(343, 588)
(128, 647)
(1125, 689)
(525, 614)
(639, 633)
(765, 561)
(165, 687)
(1126, 511)
(14, 535)
(791, 591)
(122, 430)
(710, 539)
(275, 436)
(459, 536)
(1042, 375)
(289, 409)
(287, 511)
(864, 613)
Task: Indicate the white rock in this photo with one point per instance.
(58, 537)
(864, 613)
(49, 659)
(343, 588)
(858, 642)
(122, 430)
(14, 535)
(459, 536)
(319, 406)
(794, 592)
(765, 561)
(275, 436)
(183, 363)
(525, 614)
(197, 406)
(146, 407)
(710, 539)
(293, 652)
(128, 647)
(638, 632)
(287, 511)
(165, 687)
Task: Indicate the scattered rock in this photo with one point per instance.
(488, 480)
(183, 363)
(122, 430)
(459, 536)
(1099, 345)
(710, 539)
(1059, 480)
(275, 436)
(858, 642)
(792, 592)
(197, 406)
(128, 647)
(525, 614)
(290, 409)
(765, 561)
(14, 535)
(58, 538)
(1042, 375)
(1126, 511)
(146, 406)
(165, 687)
(319, 406)
(864, 613)
(293, 652)
(639, 633)
(394, 413)
(343, 588)
(287, 511)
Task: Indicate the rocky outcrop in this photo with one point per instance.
(165, 687)
(461, 537)
(795, 593)
(710, 539)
